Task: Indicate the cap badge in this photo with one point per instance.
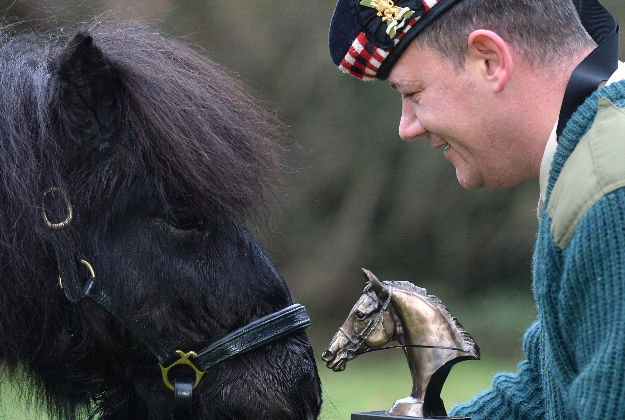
(395, 17)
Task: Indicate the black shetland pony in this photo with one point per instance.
(161, 159)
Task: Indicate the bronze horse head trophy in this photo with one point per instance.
(432, 339)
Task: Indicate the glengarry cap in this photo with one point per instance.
(367, 37)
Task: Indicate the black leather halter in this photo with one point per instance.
(259, 333)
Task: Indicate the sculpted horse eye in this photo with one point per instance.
(184, 219)
(360, 315)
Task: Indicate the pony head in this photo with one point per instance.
(162, 159)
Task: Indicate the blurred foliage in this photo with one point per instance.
(355, 194)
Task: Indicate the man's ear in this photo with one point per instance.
(489, 54)
(88, 97)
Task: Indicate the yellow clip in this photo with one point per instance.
(184, 360)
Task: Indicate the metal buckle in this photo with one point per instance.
(184, 360)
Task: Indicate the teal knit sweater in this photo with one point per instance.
(575, 367)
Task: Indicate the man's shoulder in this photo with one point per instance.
(595, 168)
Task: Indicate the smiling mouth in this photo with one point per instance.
(446, 147)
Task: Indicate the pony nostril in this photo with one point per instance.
(327, 355)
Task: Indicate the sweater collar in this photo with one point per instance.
(552, 144)
(578, 126)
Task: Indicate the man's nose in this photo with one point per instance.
(409, 127)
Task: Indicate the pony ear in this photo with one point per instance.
(88, 96)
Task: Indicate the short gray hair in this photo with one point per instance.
(545, 32)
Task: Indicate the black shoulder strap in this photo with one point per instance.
(599, 65)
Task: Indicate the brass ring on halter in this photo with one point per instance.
(70, 214)
(86, 264)
(184, 360)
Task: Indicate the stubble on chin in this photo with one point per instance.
(468, 178)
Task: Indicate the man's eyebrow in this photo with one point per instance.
(402, 85)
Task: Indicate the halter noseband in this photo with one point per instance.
(259, 333)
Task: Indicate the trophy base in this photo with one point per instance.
(373, 415)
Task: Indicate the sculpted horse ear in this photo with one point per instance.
(379, 289)
(89, 111)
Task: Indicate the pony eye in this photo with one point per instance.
(183, 219)
(360, 315)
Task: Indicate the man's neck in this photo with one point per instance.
(546, 89)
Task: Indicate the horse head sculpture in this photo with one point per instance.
(432, 339)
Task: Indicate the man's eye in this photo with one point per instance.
(184, 219)
(412, 97)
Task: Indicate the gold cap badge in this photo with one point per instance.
(395, 17)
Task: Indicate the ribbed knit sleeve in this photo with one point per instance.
(513, 396)
(590, 360)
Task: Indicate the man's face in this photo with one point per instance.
(455, 110)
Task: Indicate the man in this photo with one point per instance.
(515, 90)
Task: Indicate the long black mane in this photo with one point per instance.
(128, 122)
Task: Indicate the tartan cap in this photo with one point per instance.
(367, 37)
